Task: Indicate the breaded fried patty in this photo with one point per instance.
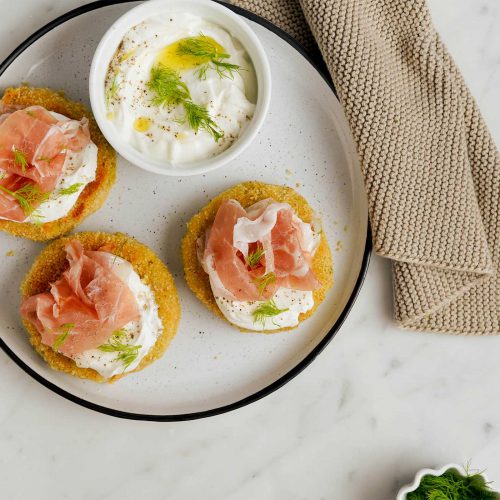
(51, 263)
(94, 194)
(247, 194)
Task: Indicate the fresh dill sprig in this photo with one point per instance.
(198, 117)
(70, 189)
(112, 90)
(201, 71)
(119, 334)
(262, 282)
(453, 485)
(26, 196)
(20, 159)
(265, 310)
(253, 258)
(66, 329)
(200, 47)
(30, 113)
(127, 353)
(225, 69)
(166, 83)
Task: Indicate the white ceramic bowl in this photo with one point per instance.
(212, 12)
(428, 472)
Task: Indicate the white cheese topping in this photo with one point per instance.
(79, 168)
(240, 313)
(165, 135)
(143, 332)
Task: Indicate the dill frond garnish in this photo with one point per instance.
(20, 159)
(225, 69)
(262, 282)
(201, 47)
(70, 189)
(453, 485)
(66, 329)
(112, 90)
(127, 353)
(197, 117)
(204, 49)
(166, 83)
(30, 113)
(119, 334)
(26, 196)
(253, 258)
(265, 310)
(201, 72)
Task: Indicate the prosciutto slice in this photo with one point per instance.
(41, 141)
(287, 245)
(90, 301)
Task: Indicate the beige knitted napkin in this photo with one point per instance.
(431, 169)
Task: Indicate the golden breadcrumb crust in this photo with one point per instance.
(94, 194)
(51, 263)
(248, 193)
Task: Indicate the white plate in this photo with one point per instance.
(305, 143)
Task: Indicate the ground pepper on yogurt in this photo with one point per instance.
(180, 88)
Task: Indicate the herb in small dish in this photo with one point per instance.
(166, 83)
(112, 89)
(197, 117)
(207, 51)
(451, 485)
(170, 90)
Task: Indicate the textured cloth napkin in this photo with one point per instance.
(431, 169)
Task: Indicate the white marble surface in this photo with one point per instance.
(377, 405)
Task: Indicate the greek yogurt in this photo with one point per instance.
(220, 88)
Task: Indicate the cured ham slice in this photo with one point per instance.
(90, 302)
(33, 148)
(286, 245)
(228, 273)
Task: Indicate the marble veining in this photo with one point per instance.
(378, 403)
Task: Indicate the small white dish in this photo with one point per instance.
(212, 12)
(403, 492)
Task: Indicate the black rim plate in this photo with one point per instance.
(319, 65)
